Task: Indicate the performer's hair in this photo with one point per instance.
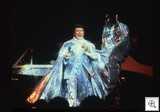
(78, 26)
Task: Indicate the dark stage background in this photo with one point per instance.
(43, 26)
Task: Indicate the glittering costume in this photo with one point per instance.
(87, 72)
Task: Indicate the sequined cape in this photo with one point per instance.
(85, 73)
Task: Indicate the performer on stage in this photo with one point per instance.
(81, 70)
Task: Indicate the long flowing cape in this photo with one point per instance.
(115, 48)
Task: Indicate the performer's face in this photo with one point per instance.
(79, 33)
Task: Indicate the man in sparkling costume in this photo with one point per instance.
(81, 70)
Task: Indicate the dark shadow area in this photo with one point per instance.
(59, 103)
(134, 89)
(93, 103)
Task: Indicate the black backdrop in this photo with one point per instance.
(43, 25)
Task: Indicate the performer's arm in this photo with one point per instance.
(64, 52)
(90, 51)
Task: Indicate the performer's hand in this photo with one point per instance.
(107, 17)
(86, 48)
(68, 55)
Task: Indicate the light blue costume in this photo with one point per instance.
(79, 78)
(86, 72)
